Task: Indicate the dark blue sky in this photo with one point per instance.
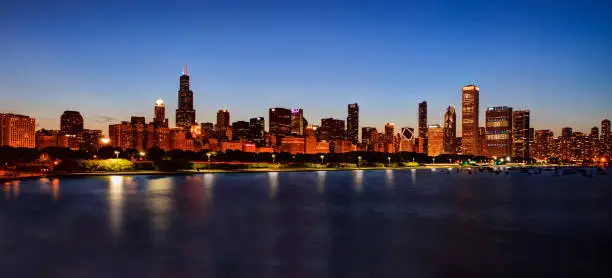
(112, 60)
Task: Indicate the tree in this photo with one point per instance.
(155, 154)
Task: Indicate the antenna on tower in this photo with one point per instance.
(186, 69)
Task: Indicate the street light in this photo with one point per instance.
(389, 160)
(208, 155)
(142, 154)
(117, 154)
(322, 159)
(508, 158)
(273, 157)
(358, 161)
(434, 160)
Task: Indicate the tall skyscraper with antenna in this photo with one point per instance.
(185, 115)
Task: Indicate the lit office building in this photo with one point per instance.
(498, 131)
(450, 130)
(435, 140)
(352, 123)
(280, 121)
(185, 114)
(297, 121)
(469, 120)
(520, 133)
(332, 129)
(17, 131)
(543, 144)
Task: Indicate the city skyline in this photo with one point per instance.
(284, 55)
(184, 82)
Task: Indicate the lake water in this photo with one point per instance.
(309, 224)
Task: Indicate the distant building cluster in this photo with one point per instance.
(505, 133)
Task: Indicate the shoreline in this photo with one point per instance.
(237, 171)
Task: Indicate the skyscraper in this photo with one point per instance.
(185, 115)
(352, 123)
(435, 140)
(91, 139)
(159, 113)
(566, 132)
(257, 130)
(499, 131)
(450, 130)
(469, 119)
(520, 133)
(310, 140)
(240, 130)
(280, 121)
(368, 137)
(297, 121)
(407, 137)
(17, 131)
(71, 122)
(389, 133)
(543, 144)
(606, 138)
(223, 122)
(565, 144)
(332, 129)
(593, 143)
(423, 119)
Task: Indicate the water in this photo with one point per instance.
(310, 224)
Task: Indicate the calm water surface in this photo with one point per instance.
(310, 224)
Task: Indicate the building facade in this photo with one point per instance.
(223, 122)
(71, 122)
(450, 130)
(280, 121)
(240, 130)
(257, 130)
(293, 144)
(435, 140)
(389, 137)
(18, 131)
(368, 137)
(606, 138)
(332, 129)
(159, 112)
(422, 118)
(352, 123)
(542, 144)
(185, 114)
(469, 120)
(521, 135)
(297, 121)
(499, 131)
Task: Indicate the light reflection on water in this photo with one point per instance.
(55, 189)
(389, 177)
(321, 181)
(7, 190)
(463, 223)
(115, 204)
(209, 185)
(159, 202)
(273, 184)
(358, 180)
